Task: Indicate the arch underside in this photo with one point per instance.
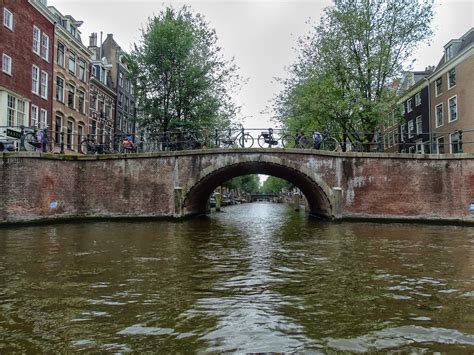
(196, 199)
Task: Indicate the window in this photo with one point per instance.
(449, 53)
(8, 19)
(36, 40)
(439, 115)
(411, 129)
(94, 101)
(419, 125)
(58, 128)
(45, 47)
(453, 108)
(72, 63)
(438, 84)
(418, 99)
(82, 101)
(71, 92)
(121, 80)
(70, 126)
(44, 85)
(451, 78)
(403, 130)
(34, 116)
(43, 119)
(419, 147)
(455, 143)
(16, 111)
(60, 54)
(80, 134)
(120, 99)
(82, 70)
(35, 79)
(440, 145)
(59, 89)
(402, 109)
(7, 64)
(409, 105)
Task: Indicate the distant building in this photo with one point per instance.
(71, 83)
(452, 96)
(125, 104)
(26, 37)
(102, 94)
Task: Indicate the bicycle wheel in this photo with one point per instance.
(85, 147)
(29, 142)
(287, 141)
(246, 141)
(356, 146)
(263, 141)
(331, 144)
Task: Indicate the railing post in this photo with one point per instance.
(216, 138)
(460, 141)
(242, 138)
(62, 143)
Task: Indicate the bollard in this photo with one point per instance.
(218, 198)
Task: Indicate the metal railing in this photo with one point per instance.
(67, 142)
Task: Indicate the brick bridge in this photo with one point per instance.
(37, 186)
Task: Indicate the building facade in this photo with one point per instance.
(26, 38)
(71, 83)
(125, 105)
(452, 97)
(102, 96)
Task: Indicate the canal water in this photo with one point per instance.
(255, 278)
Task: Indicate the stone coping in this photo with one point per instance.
(289, 151)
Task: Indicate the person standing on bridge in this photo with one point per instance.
(301, 140)
(317, 139)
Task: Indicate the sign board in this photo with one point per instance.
(14, 134)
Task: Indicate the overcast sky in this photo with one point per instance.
(260, 34)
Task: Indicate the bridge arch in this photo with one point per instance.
(317, 192)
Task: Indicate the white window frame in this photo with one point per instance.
(73, 96)
(419, 124)
(440, 91)
(43, 122)
(449, 108)
(45, 47)
(34, 115)
(448, 78)
(82, 70)
(61, 98)
(402, 108)
(419, 147)
(411, 128)
(44, 85)
(8, 19)
(35, 80)
(438, 144)
(418, 99)
(62, 63)
(442, 115)
(409, 105)
(36, 40)
(69, 62)
(7, 68)
(402, 132)
(83, 108)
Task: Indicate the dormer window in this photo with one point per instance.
(449, 52)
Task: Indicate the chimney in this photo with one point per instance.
(93, 40)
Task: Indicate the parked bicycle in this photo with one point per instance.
(244, 140)
(36, 140)
(89, 146)
(127, 144)
(267, 139)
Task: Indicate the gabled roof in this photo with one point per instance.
(462, 43)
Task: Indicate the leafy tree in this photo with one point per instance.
(342, 80)
(246, 183)
(273, 185)
(182, 79)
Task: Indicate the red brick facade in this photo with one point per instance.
(18, 44)
(373, 186)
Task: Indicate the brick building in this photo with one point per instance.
(26, 38)
(71, 83)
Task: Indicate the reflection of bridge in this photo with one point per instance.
(264, 197)
(167, 184)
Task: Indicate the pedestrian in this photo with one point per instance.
(302, 140)
(40, 139)
(317, 139)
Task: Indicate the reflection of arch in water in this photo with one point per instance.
(317, 192)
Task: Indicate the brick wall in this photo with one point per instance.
(373, 185)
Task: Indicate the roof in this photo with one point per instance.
(463, 42)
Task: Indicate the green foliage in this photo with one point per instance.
(246, 183)
(181, 77)
(274, 185)
(342, 80)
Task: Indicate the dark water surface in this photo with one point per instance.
(256, 278)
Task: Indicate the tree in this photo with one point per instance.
(246, 183)
(182, 79)
(342, 80)
(273, 185)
